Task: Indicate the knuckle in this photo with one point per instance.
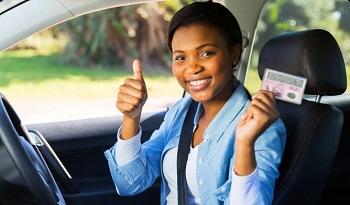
(122, 88)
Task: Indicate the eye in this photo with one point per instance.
(179, 58)
(207, 54)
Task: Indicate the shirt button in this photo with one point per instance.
(201, 182)
(223, 189)
(200, 161)
(206, 137)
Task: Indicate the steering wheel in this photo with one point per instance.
(30, 165)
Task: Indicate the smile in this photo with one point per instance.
(199, 85)
(198, 82)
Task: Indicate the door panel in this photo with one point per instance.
(80, 145)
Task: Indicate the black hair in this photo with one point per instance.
(211, 14)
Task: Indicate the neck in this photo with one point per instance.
(212, 107)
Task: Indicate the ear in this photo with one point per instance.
(236, 54)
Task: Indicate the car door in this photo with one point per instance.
(80, 146)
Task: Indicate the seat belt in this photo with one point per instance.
(182, 153)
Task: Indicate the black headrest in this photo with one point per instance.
(313, 54)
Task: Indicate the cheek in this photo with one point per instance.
(178, 73)
(219, 67)
(175, 70)
(226, 66)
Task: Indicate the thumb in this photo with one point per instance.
(136, 66)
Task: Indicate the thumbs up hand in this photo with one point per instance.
(132, 94)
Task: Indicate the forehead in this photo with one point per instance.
(196, 35)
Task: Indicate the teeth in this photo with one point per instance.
(198, 82)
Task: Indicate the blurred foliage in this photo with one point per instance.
(46, 42)
(120, 35)
(344, 11)
(280, 16)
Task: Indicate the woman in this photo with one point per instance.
(237, 142)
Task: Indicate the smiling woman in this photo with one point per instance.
(238, 163)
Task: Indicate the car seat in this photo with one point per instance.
(313, 128)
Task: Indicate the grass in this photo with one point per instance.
(41, 89)
(26, 73)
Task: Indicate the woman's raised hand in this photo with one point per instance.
(132, 94)
(261, 113)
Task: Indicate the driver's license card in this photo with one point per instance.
(286, 87)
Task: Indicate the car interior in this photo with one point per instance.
(313, 128)
(63, 162)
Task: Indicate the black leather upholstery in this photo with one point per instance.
(313, 129)
(313, 54)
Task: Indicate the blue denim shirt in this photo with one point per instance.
(214, 170)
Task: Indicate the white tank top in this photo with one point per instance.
(170, 174)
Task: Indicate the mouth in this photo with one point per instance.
(199, 84)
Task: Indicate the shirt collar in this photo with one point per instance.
(227, 114)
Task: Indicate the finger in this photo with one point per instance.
(126, 103)
(136, 66)
(139, 76)
(248, 115)
(263, 104)
(125, 107)
(261, 110)
(126, 98)
(264, 93)
(265, 96)
(133, 83)
(132, 89)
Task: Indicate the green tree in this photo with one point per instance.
(282, 16)
(344, 17)
(117, 36)
(278, 17)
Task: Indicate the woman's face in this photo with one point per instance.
(202, 62)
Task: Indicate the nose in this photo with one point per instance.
(194, 66)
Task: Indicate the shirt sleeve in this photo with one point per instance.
(245, 189)
(127, 150)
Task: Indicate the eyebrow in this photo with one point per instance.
(198, 47)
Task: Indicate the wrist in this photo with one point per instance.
(245, 162)
(244, 144)
(130, 127)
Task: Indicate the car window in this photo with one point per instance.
(40, 79)
(284, 16)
